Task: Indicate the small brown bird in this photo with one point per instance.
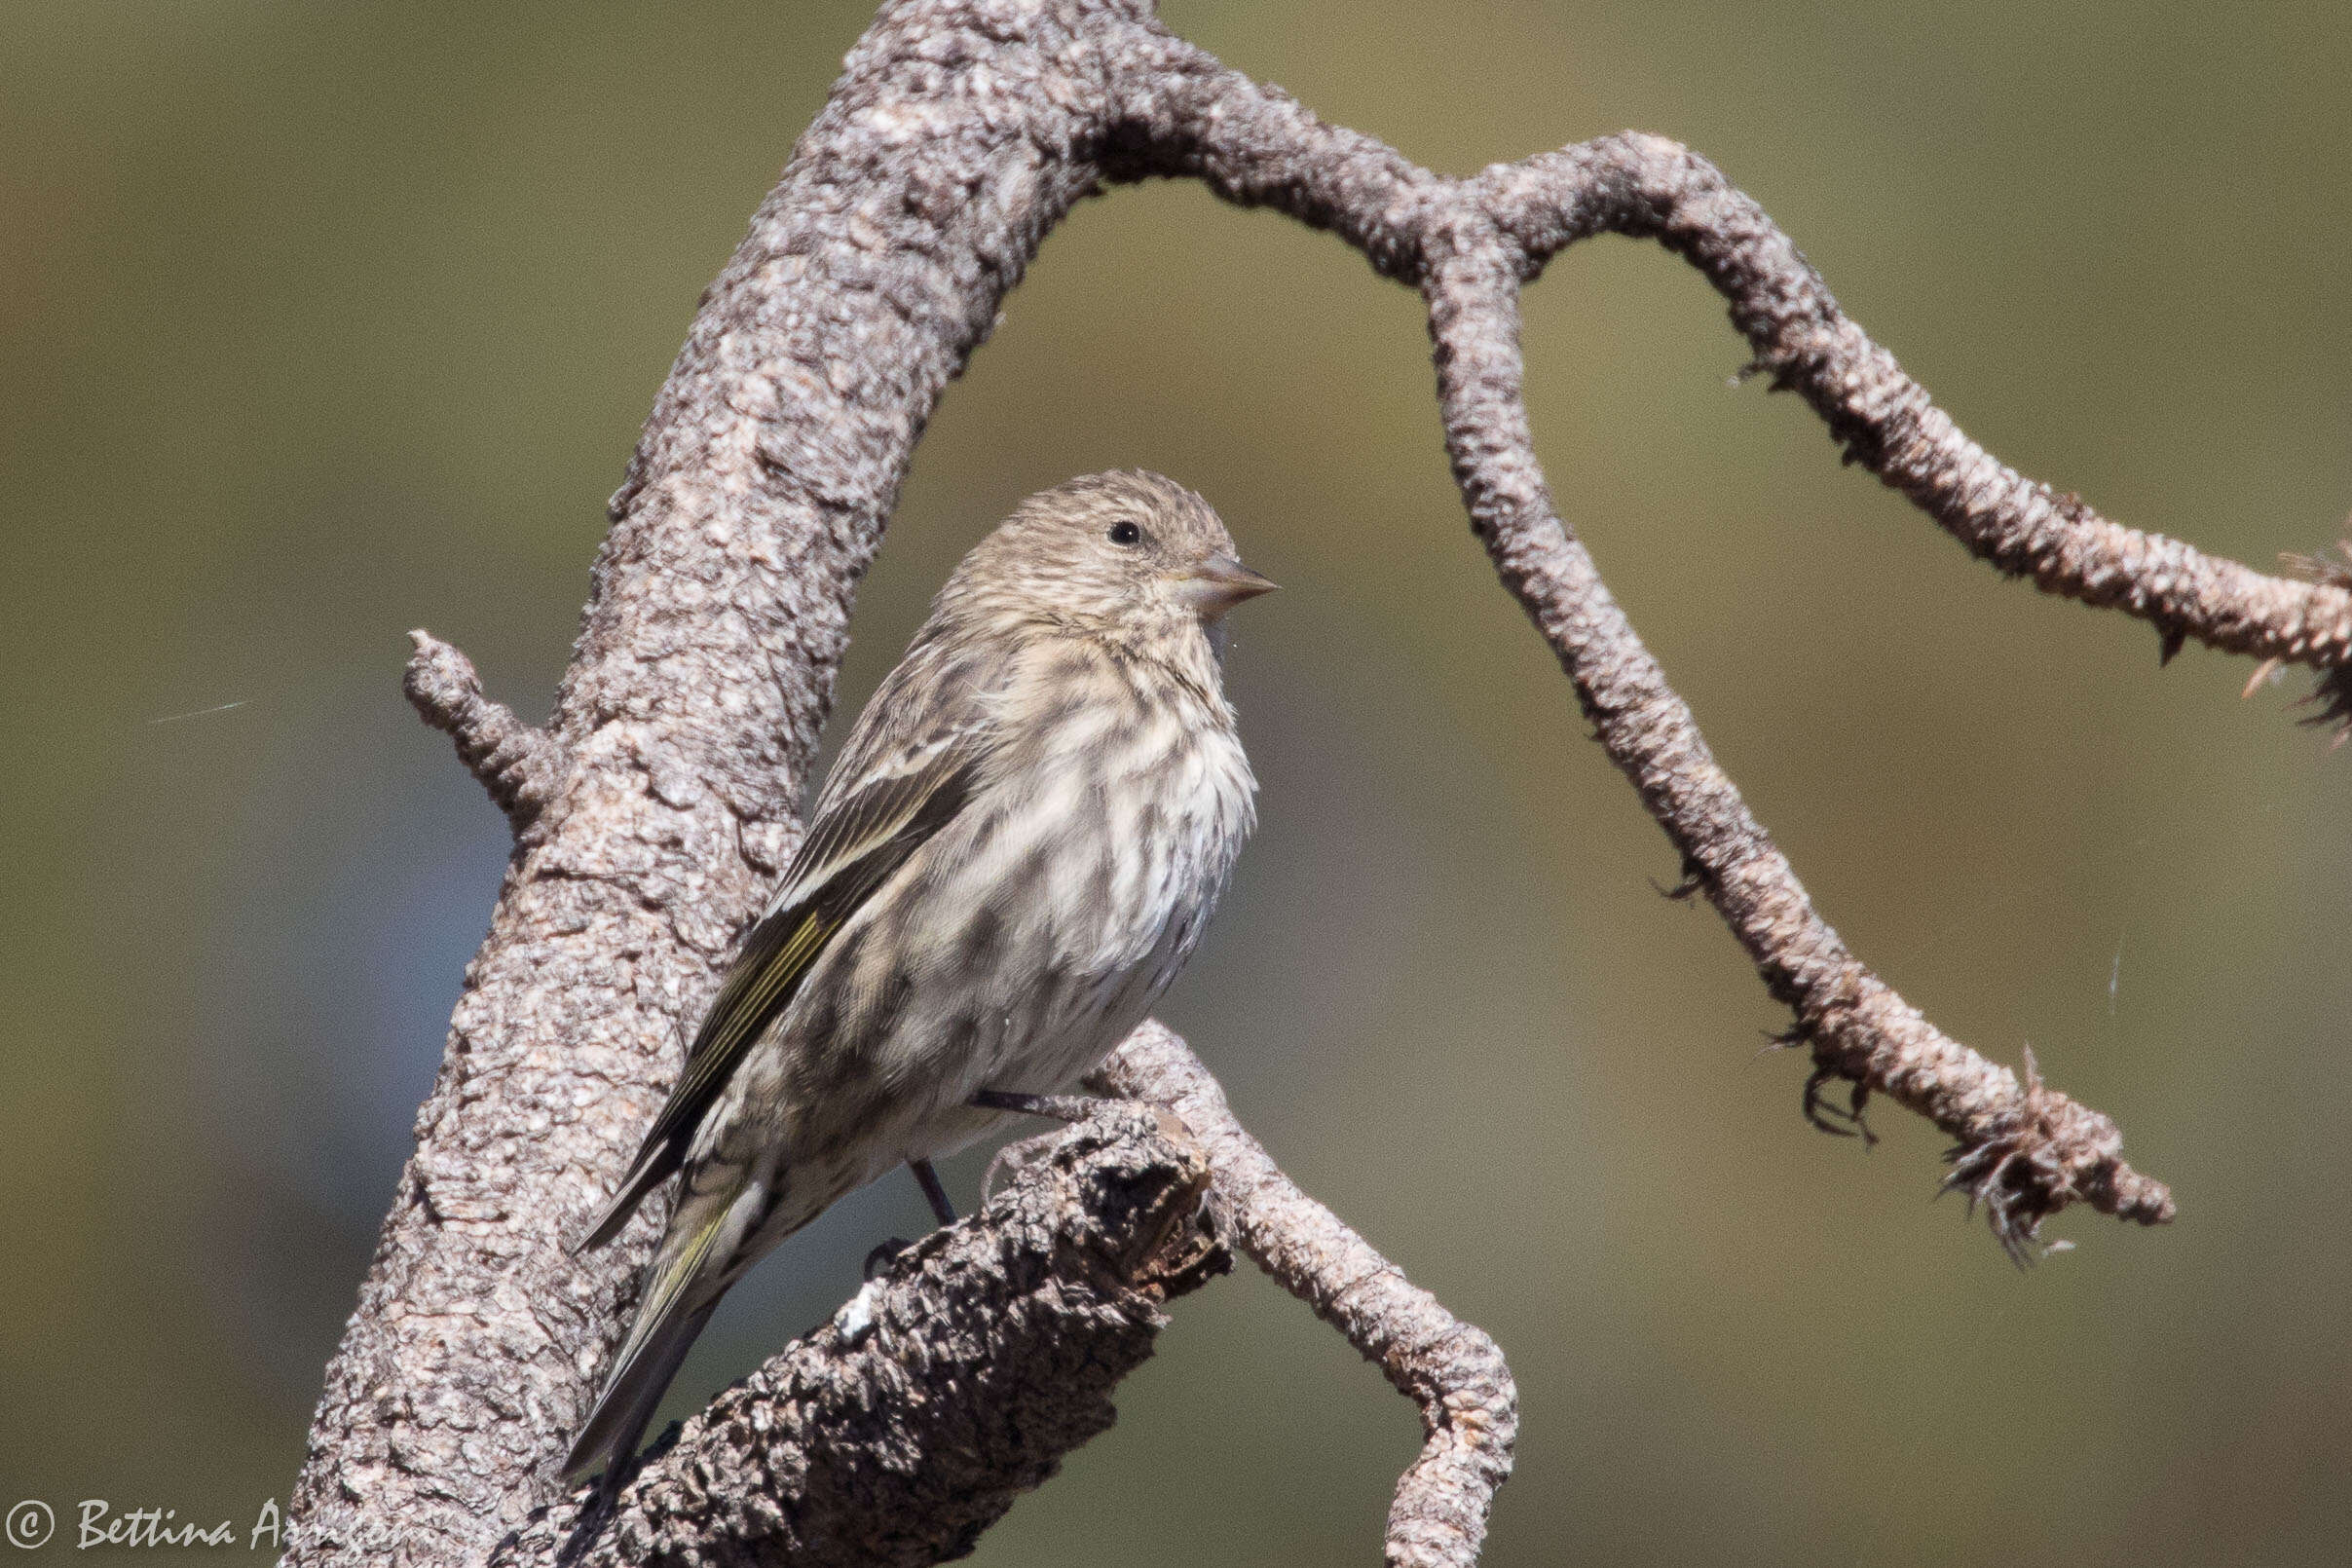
(1015, 853)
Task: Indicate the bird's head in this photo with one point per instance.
(1130, 556)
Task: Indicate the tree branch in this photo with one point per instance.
(2024, 1150)
(518, 765)
(1650, 187)
(1470, 1405)
(686, 721)
(899, 1430)
(658, 801)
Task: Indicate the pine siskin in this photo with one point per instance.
(1012, 858)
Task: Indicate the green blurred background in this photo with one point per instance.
(322, 322)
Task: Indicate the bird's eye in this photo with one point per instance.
(1126, 534)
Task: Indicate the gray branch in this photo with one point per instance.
(657, 806)
(2024, 1150)
(519, 766)
(1470, 1406)
(895, 1433)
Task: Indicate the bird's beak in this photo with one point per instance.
(1220, 583)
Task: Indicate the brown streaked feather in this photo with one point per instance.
(850, 851)
(1008, 862)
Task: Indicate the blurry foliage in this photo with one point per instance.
(322, 322)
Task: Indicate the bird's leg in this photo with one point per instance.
(934, 1191)
(1014, 1156)
(1054, 1107)
(1060, 1109)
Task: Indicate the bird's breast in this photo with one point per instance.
(1020, 944)
(1117, 818)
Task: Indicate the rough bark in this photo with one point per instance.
(899, 1430)
(656, 804)
(1470, 1406)
(704, 668)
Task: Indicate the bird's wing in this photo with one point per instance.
(861, 834)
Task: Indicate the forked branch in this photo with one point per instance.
(2022, 1149)
(657, 806)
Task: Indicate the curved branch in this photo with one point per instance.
(1469, 1404)
(2025, 1152)
(1192, 115)
(1649, 187)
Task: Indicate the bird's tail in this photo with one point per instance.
(682, 1287)
(631, 1396)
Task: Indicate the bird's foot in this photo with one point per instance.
(1013, 1159)
(885, 1252)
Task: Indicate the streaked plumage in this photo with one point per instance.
(1013, 856)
